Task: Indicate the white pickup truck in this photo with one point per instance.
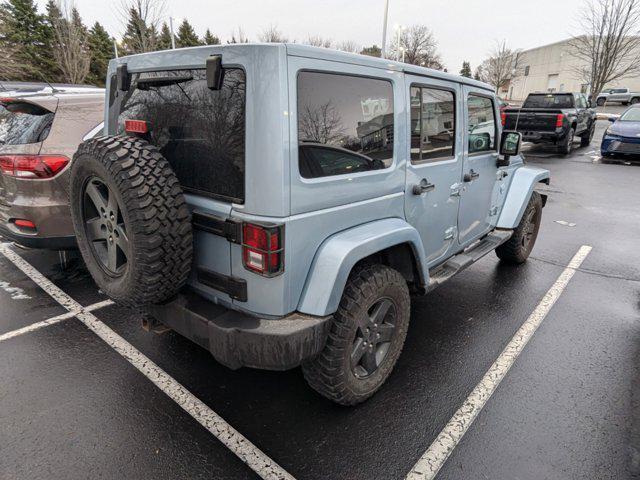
(618, 95)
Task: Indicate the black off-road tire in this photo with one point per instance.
(587, 136)
(567, 144)
(154, 212)
(600, 102)
(331, 373)
(516, 250)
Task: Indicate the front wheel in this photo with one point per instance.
(600, 102)
(366, 337)
(518, 248)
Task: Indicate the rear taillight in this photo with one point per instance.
(34, 167)
(559, 120)
(262, 249)
(24, 225)
(503, 118)
(135, 126)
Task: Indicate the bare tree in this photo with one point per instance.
(502, 65)
(142, 21)
(271, 34)
(348, 46)
(318, 41)
(320, 124)
(238, 37)
(608, 45)
(71, 45)
(417, 46)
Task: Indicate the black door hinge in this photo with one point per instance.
(228, 228)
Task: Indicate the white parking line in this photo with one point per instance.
(260, 463)
(431, 462)
(53, 320)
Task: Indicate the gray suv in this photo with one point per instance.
(40, 130)
(278, 204)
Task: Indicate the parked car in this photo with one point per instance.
(622, 138)
(287, 223)
(555, 118)
(617, 95)
(40, 130)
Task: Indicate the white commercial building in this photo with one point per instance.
(552, 68)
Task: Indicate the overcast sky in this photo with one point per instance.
(465, 29)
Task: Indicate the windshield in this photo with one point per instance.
(631, 115)
(23, 122)
(201, 132)
(548, 101)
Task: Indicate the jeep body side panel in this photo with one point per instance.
(339, 253)
(304, 234)
(520, 189)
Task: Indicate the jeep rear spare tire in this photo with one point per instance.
(131, 220)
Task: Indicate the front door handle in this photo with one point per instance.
(423, 187)
(472, 175)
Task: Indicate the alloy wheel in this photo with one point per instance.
(374, 335)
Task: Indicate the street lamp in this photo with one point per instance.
(384, 29)
(399, 29)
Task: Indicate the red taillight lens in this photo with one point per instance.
(19, 222)
(34, 167)
(559, 120)
(262, 249)
(135, 126)
(503, 118)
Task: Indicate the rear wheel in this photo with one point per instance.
(366, 336)
(518, 247)
(567, 144)
(132, 224)
(635, 100)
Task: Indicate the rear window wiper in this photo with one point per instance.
(147, 83)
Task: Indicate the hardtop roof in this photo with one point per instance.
(144, 60)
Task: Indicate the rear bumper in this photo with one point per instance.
(546, 137)
(236, 339)
(34, 241)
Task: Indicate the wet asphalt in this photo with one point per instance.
(71, 407)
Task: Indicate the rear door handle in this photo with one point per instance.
(472, 175)
(423, 187)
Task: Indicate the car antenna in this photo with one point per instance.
(53, 89)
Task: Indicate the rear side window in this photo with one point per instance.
(345, 124)
(432, 124)
(201, 132)
(482, 124)
(23, 122)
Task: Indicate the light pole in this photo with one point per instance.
(384, 29)
(399, 29)
(173, 38)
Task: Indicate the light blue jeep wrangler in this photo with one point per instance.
(278, 204)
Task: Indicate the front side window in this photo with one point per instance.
(201, 132)
(433, 113)
(481, 118)
(345, 124)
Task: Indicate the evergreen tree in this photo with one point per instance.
(164, 39)
(26, 33)
(210, 39)
(465, 71)
(139, 37)
(187, 36)
(101, 48)
(372, 51)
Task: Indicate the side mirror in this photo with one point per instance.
(214, 72)
(509, 146)
(612, 119)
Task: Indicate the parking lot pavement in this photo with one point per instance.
(73, 407)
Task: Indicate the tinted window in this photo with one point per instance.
(482, 124)
(23, 122)
(201, 132)
(549, 101)
(352, 115)
(432, 124)
(619, 90)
